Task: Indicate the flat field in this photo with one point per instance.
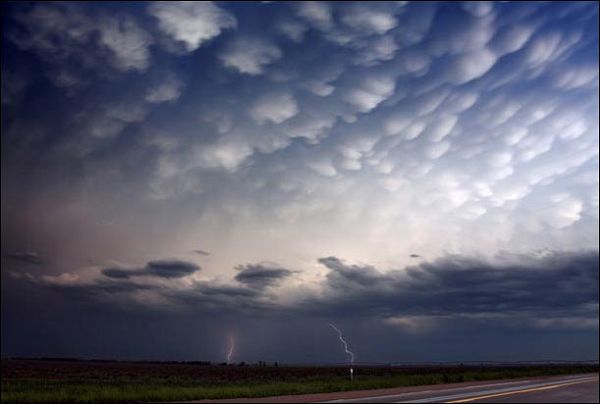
(25, 380)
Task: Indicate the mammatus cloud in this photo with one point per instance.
(369, 20)
(168, 90)
(317, 13)
(191, 23)
(62, 34)
(471, 66)
(275, 108)
(250, 55)
(294, 30)
(511, 38)
(128, 43)
(371, 92)
(284, 132)
(13, 85)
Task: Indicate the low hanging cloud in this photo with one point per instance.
(166, 269)
(511, 289)
(201, 252)
(26, 257)
(514, 287)
(260, 276)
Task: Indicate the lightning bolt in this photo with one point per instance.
(349, 352)
(231, 347)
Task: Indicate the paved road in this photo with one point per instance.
(570, 389)
(543, 389)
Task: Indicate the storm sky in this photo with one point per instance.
(424, 176)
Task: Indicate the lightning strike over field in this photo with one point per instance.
(177, 173)
(231, 348)
(341, 337)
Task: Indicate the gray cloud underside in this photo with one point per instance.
(467, 121)
(554, 284)
(260, 276)
(26, 257)
(550, 286)
(201, 252)
(162, 269)
(282, 132)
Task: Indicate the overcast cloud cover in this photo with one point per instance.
(423, 175)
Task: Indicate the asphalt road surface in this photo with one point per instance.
(569, 389)
(545, 389)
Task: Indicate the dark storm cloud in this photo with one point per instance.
(119, 273)
(211, 289)
(26, 257)
(249, 298)
(351, 276)
(162, 269)
(260, 276)
(171, 269)
(99, 289)
(552, 285)
(220, 299)
(99, 295)
(525, 294)
(201, 252)
(132, 126)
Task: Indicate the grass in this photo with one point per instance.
(175, 389)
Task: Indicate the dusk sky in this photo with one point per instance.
(424, 176)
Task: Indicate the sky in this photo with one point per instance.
(177, 175)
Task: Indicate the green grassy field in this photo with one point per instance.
(104, 386)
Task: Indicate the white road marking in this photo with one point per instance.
(521, 384)
(495, 391)
(412, 393)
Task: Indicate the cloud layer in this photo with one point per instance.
(407, 164)
(162, 269)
